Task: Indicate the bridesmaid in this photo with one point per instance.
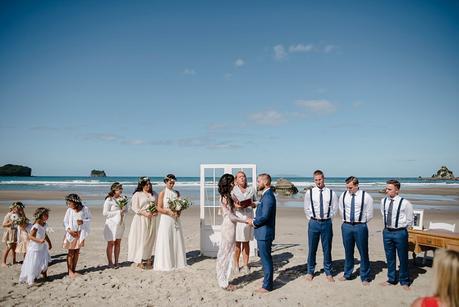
(143, 225)
(170, 245)
(114, 223)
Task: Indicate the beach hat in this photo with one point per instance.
(169, 177)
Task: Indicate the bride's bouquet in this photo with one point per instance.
(152, 206)
(178, 204)
(122, 202)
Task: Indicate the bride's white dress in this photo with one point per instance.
(170, 245)
(227, 244)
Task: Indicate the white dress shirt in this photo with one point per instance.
(345, 207)
(406, 212)
(333, 205)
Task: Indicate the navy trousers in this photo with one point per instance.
(356, 235)
(264, 250)
(396, 242)
(320, 230)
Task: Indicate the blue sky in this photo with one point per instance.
(368, 88)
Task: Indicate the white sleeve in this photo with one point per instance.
(409, 213)
(369, 206)
(382, 208)
(334, 204)
(340, 201)
(307, 203)
(87, 215)
(67, 222)
(107, 212)
(135, 203)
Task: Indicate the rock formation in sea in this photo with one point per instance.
(15, 170)
(285, 187)
(98, 173)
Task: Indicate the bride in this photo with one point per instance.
(228, 231)
(170, 245)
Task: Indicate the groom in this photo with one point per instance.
(264, 223)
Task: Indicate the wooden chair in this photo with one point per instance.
(442, 226)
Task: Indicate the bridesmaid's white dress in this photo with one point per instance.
(227, 245)
(170, 245)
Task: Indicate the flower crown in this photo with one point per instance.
(143, 179)
(40, 212)
(17, 204)
(73, 198)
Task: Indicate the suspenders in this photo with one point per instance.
(312, 204)
(398, 212)
(361, 207)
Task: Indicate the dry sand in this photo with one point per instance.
(196, 285)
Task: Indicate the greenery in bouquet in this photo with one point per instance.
(122, 202)
(15, 218)
(152, 206)
(179, 204)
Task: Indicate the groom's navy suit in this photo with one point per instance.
(265, 224)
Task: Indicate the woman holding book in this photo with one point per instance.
(143, 226)
(246, 196)
(170, 245)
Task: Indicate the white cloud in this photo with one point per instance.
(102, 137)
(329, 48)
(134, 142)
(317, 106)
(269, 117)
(188, 71)
(357, 104)
(301, 48)
(279, 52)
(239, 62)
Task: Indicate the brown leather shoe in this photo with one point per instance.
(262, 290)
(330, 278)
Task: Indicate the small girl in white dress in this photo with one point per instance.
(24, 228)
(37, 257)
(114, 223)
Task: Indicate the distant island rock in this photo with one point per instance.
(98, 173)
(442, 174)
(285, 187)
(15, 170)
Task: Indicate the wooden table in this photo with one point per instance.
(423, 240)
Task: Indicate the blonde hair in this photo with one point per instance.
(446, 277)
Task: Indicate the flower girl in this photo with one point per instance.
(23, 235)
(10, 230)
(77, 223)
(36, 260)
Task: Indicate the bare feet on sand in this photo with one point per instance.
(330, 278)
(385, 284)
(308, 277)
(261, 290)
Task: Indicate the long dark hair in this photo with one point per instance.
(143, 181)
(115, 186)
(225, 186)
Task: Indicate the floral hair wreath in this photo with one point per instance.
(40, 212)
(116, 186)
(144, 179)
(73, 198)
(17, 204)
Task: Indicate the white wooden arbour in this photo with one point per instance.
(210, 213)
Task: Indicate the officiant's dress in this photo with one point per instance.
(170, 245)
(244, 232)
(227, 245)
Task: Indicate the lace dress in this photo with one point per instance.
(227, 244)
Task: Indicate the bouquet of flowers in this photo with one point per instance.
(15, 218)
(21, 221)
(152, 206)
(122, 202)
(178, 204)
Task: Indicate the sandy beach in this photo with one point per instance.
(196, 284)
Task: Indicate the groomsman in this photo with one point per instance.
(356, 208)
(398, 215)
(320, 205)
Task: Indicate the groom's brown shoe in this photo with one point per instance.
(261, 290)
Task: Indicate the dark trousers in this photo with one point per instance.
(356, 235)
(264, 250)
(396, 242)
(318, 230)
